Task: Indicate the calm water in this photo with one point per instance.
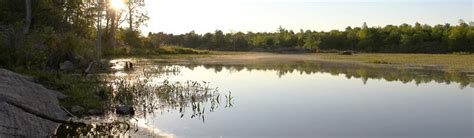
(314, 100)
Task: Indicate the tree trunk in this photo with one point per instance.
(99, 33)
(112, 29)
(130, 13)
(28, 16)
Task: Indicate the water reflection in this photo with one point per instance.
(364, 73)
(136, 88)
(285, 106)
(310, 99)
(105, 126)
(148, 97)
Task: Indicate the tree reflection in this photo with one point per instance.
(363, 72)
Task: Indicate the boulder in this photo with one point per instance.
(95, 112)
(76, 109)
(67, 66)
(124, 110)
(27, 109)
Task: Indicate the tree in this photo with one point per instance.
(28, 16)
(312, 42)
(404, 38)
(136, 13)
(113, 15)
(218, 40)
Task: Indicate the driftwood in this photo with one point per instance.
(88, 69)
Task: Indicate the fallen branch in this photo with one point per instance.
(88, 68)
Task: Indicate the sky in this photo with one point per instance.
(202, 16)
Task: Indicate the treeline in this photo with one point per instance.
(43, 34)
(404, 38)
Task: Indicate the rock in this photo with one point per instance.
(76, 109)
(67, 66)
(17, 92)
(80, 61)
(60, 95)
(95, 112)
(124, 110)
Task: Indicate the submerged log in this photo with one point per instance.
(128, 65)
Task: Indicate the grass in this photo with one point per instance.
(447, 62)
(450, 62)
(170, 49)
(154, 52)
(88, 92)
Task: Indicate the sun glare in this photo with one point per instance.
(117, 4)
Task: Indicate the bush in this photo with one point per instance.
(78, 46)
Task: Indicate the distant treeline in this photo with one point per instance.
(404, 38)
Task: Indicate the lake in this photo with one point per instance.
(312, 99)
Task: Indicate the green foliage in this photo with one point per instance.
(312, 42)
(154, 51)
(389, 39)
(88, 92)
(132, 38)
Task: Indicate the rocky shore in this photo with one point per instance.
(26, 108)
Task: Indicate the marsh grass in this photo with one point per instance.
(165, 51)
(149, 97)
(450, 62)
(171, 49)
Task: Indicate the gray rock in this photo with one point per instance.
(17, 90)
(60, 95)
(95, 112)
(80, 61)
(124, 110)
(67, 66)
(76, 109)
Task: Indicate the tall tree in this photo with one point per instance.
(136, 14)
(28, 16)
(112, 28)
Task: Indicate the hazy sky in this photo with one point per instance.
(182, 16)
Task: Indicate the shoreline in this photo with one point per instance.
(452, 63)
(219, 58)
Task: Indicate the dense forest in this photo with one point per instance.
(43, 34)
(404, 38)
